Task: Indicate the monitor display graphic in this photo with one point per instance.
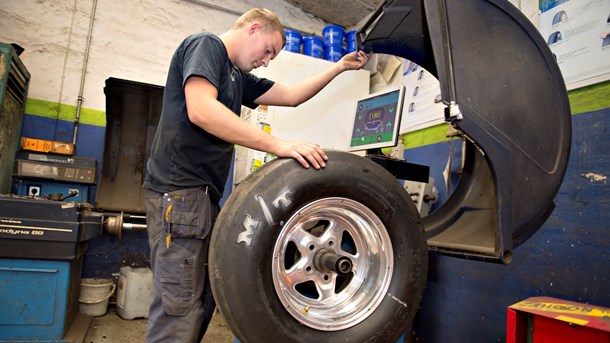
(377, 120)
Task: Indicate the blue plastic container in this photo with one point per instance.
(350, 41)
(313, 46)
(351, 35)
(333, 35)
(293, 41)
(333, 53)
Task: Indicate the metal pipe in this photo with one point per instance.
(131, 226)
(79, 100)
(444, 21)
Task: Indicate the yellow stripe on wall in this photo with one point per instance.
(65, 112)
(428, 136)
(590, 98)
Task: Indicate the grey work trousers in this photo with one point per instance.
(182, 305)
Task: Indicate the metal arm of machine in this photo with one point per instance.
(114, 224)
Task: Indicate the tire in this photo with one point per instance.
(330, 255)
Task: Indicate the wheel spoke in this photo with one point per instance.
(326, 289)
(333, 233)
(298, 273)
(301, 237)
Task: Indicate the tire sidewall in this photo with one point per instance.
(264, 202)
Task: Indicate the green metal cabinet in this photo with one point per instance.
(14, 81)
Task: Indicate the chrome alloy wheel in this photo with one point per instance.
(332, 264)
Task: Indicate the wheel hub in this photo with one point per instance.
(332, 264)
(327, 261)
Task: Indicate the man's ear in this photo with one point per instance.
(254, 27)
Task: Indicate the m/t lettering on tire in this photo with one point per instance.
(250, 225)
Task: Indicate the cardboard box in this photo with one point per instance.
(42, 145)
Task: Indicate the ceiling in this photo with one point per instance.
(346, 13)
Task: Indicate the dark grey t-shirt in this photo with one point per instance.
(183, 155)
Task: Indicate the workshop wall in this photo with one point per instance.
(131, 40)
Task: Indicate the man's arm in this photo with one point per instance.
(211, 115)
(298, 93)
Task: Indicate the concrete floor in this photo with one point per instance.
(111, 328)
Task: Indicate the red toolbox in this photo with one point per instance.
(546, 320)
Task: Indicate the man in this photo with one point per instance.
(207, 83)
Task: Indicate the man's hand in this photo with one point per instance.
(303, 152)
(354, 60)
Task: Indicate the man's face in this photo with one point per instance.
(260, 48)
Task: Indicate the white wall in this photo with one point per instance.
(132, 39)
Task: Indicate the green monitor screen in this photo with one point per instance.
(377, 120)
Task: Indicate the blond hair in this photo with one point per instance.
(268, 20)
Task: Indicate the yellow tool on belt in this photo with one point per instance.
(168, 233)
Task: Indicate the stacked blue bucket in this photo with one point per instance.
(333, 42)
(331, 47)
(313, 46)
(293, 41)
(350, 41)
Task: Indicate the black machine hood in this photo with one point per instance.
(506, 96)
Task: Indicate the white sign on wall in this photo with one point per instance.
(422, 106)
(578, 34)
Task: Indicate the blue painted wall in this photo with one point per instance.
(568, 258)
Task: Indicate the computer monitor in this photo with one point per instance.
(377, 120)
